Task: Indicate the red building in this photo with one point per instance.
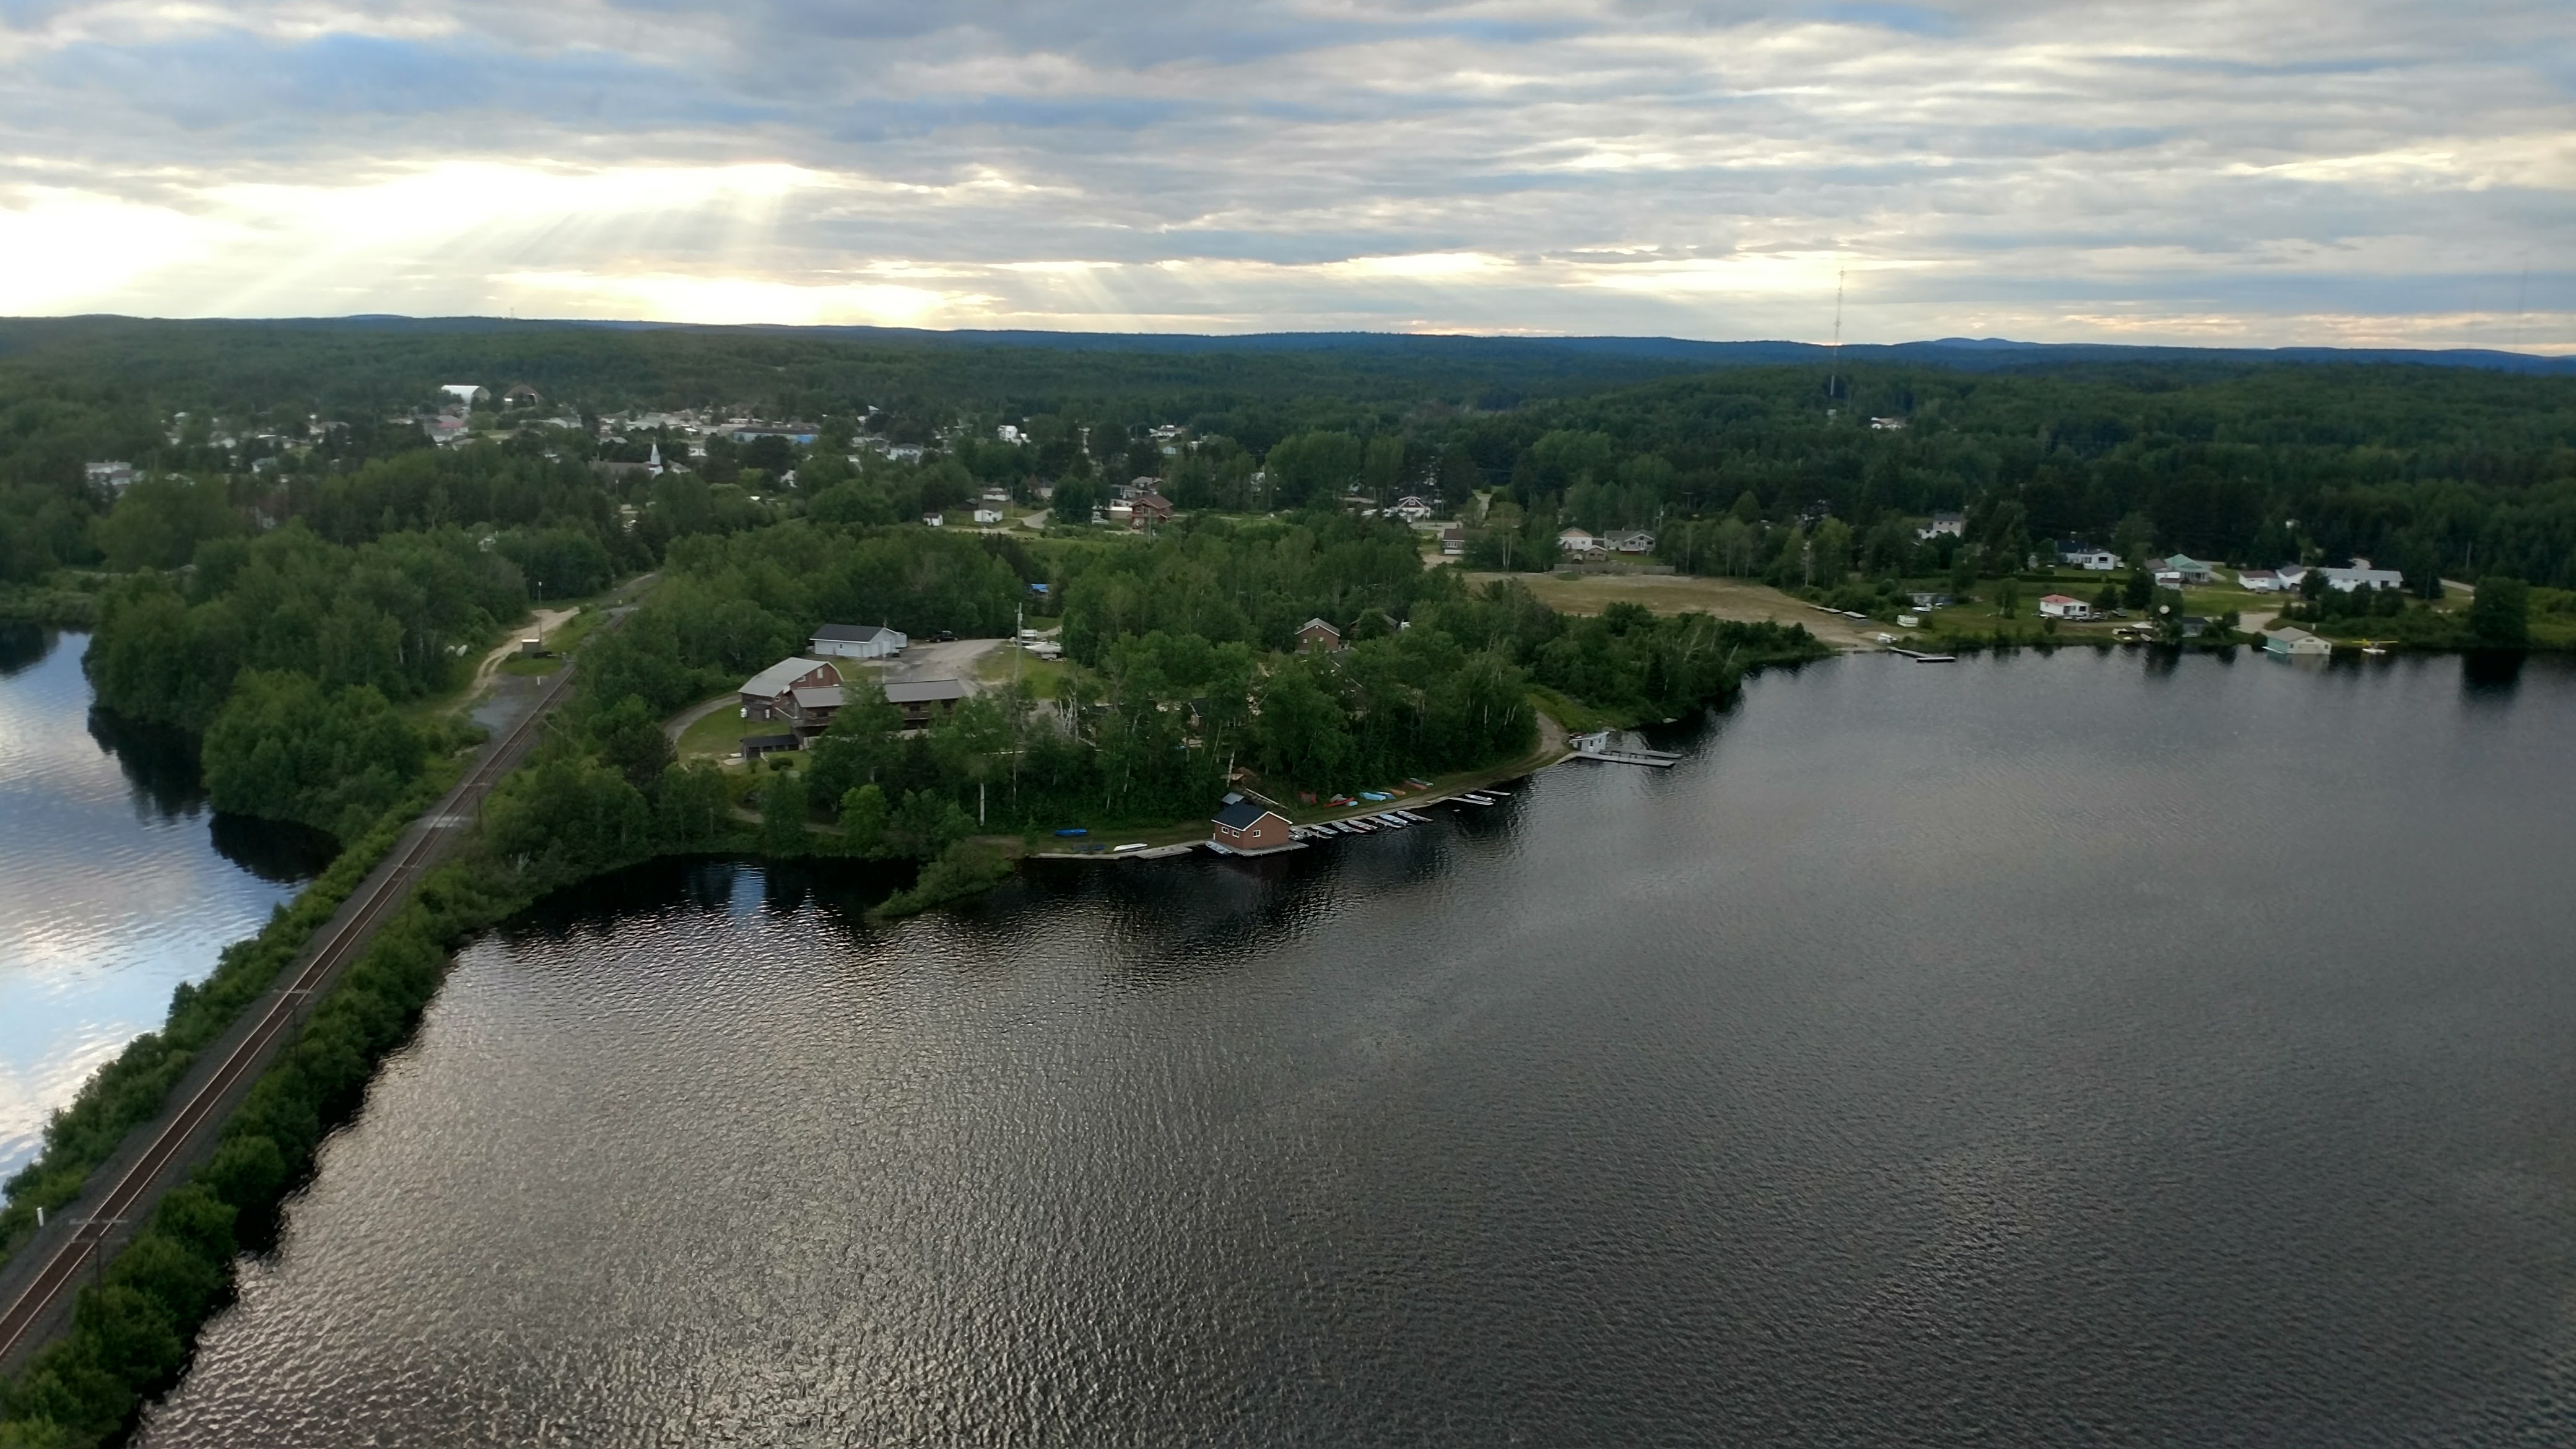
(1247, 827)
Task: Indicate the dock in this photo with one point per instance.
(1597, 746)
(1919, 657)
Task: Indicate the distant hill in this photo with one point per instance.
(1975, 354)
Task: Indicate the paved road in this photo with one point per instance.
(40, 1282)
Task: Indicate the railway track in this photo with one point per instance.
(22, 1322)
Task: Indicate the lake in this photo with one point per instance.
(116, 882)
(2074, 1049)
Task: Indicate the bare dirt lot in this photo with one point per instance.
(1679, 594)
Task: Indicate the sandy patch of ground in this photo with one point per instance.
(546, 622)
(1680, 594)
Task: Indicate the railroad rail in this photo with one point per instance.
(136, 1187)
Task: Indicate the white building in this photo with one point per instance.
(988, 515)
(2095, 560)
(114, 477)
(2362, 576)
(1632, 540)
(1577, 541)
(858, 641)
(2064, 606)
(1953, 524)
(2262, 581)
(464, 392)
(1410, 509)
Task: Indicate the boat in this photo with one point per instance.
(1131, 845)
(1375, 795)
(1392, 820)
(1071, 833)
(1416, 816)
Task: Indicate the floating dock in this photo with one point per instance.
(1919, 657)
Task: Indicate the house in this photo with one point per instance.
(2293, 575)
(114, 477)
(2064, 606)
(1411, 509)
(1453, 541)
(935, 520)
(1148, 507)
(1007, 433)
(2362, 576)
(1633, 540)
(2292, 643)
(988, 515)
(464, 392)
(2095, 560)
(522, 395)
(922, 699)
(1580, 546)
(997, 496)
(2186, 568)
(1887, 425)
(1927, 602)
(858, 641)
(2261, 581)
(1317, 637)
(766, 695)
(808, 709)
(1953, 524)
(1247, 827)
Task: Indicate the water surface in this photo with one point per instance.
(2072, 1050)
(116, 882)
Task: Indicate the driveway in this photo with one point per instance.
(955, 659)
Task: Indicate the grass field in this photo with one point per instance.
(719, 735)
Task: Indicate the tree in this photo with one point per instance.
(630, 738)
(283, 749)
(782, 816)
(2500, 612)
(863, 821)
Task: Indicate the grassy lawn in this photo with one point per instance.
(1042, 676)
(719, 735)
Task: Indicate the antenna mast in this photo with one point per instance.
(1833, 370)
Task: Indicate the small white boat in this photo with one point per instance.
(1392, 820)
(1415, 816)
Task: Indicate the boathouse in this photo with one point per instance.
(1247, 827)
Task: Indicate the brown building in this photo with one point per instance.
(923, 700)
(770, 694)
(1147, 508)
(1247, 827)
(1317, 637)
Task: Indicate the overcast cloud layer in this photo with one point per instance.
(2260, 172)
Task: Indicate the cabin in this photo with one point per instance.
(1317, 637)
(858, 641)
(2294, 643)
(2190, 570)
(923, 700)
(1247, 827)
(766, 695)
(2064, 606)
(1633, 540)
(1453, 541)
(1148, 507)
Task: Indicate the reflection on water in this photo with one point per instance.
(2036, 1050)
(116, 883)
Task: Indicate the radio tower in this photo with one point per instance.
(1834, 368)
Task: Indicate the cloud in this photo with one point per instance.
(2267, 171)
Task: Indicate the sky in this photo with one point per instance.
(2262, 172)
